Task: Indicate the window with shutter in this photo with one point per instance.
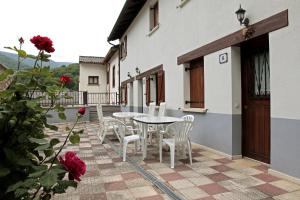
(160, 87)
(197, 84)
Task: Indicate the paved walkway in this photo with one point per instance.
(210, 177)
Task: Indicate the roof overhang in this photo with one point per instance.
(128, 13)
(110, 54)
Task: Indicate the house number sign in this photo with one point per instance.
(223, 58)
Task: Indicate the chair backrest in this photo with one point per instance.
(151, 108)
(162, 109)
(99, 112)
(120, 128)
(180, 130)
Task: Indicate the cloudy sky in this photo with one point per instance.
(77, 27)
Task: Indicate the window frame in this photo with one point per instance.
(154, 16)
(114, 76)
(93, 78)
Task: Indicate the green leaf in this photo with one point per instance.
(48, 152)
(63, 185)
(62, 116)
(36, 174)
(48, 179)
(22, 53)
(42, 147)
(38, 141)
(74, 139)
(52, 127)
(20, 192)
(4, 171)
(31, 104)
(67, 128)
(23, 162)
(14, 186)
(54, 142)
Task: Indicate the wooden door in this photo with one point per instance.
(256, 99)
(197, 84)
(160, 87)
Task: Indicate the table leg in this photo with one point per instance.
(145, 142)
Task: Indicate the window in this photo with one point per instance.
(154, 16)
(93, 80)
(107, 76)
(123, 47)
(113, 76)
(124, 94)
(196, 71)
(155, 88)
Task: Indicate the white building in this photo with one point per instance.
(111, 60)
(92, 74)
(241, 84)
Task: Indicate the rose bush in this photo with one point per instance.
(30, 162)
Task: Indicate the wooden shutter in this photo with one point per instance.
(197, 84)
(148, 98)
(160, 87)
(125, 94)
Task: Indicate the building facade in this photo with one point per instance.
(239, 82)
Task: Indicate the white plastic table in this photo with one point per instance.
(152, 120)
(127, 115)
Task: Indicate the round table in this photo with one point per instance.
(127, 115)
(153, 120)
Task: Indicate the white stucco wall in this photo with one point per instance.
(114, 61)
(86, 70)
(196, 24)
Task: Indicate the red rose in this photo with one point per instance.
(65, 79)
(73, 165)
(21, 40)
(43, 43)
(81, 110)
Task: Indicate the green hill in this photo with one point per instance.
(71, 70)
(10, 60)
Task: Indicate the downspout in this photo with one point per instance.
(119, 57)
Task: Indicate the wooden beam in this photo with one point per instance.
(149, 72)
(267, 25)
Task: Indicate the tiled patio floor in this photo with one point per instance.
(210, 177)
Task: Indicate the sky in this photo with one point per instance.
(76, 27)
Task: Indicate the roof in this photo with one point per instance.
(110, 53)
(91, 59)
(129, 11)
(2, 67)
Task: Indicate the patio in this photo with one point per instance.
(210, 177)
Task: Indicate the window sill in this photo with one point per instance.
(153, 30)
(93, 84)
(195, 110)
(182, 3)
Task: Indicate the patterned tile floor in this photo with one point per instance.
(210, 177)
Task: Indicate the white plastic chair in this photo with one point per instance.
(105, 124)
(123, 132)
(151, 110)
(180, 132)
(162, 109)
(154, 129)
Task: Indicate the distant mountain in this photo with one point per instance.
(10, 60)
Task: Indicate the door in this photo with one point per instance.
(256, 99)
(197, 84)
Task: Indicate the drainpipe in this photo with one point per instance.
(119, 57)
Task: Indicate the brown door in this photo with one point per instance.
(197, 84)
(256, 99)
(160, 87)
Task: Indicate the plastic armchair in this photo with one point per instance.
(127, 135)
(180, 137)
(105, 124)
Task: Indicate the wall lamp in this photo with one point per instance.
(240, 14)
(247, 31)
(137, 70)
(129, 75)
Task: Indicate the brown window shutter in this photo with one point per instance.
(125, 94)
(160, 87)
(197, 84)
(148, 90)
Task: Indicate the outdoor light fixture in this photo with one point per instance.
(240, 14)
(137, 70)
(248, 30)
(128, 74)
